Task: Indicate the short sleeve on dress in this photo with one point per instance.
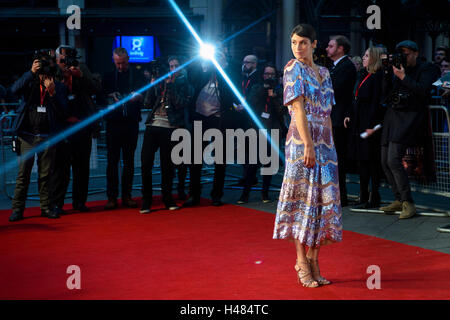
(293, 81)
(330, 92)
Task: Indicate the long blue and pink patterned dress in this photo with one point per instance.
(309, 207)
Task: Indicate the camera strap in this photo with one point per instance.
(68, 81)
(216, 90)
(42, 93)
(163, 92)
(267, 103)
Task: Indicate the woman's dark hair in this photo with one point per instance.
(304, 30)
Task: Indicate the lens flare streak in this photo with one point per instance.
(225, 77)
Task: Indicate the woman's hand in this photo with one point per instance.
(346, 121)
(310, 156)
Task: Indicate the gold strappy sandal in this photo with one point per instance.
(304, 276)
(316, 272)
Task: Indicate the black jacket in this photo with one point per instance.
(407, 122)
(259, 100)
(343, 77)
(129, 111)
(177, 95)
(366, 113)
(28, 88)
(248, 82)
(80, 104)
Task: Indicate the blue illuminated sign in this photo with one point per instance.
(140, 48)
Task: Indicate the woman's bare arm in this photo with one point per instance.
(303, 130)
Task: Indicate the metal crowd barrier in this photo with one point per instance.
(440, 122)
(6, 123)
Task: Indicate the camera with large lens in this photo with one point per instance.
(270, 83)
(399, 98)
(48, 67)
(70, 59)
(156, 69)
(396, 59)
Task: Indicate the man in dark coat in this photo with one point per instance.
(74, 152)
(250, 78)
(40, 116)
(343, 76)
(407, 94)
(122, 127)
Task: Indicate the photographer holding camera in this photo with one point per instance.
(75, 151)
(266, 100)
(41, 114)
(169, 100)
(122, 127)
(407, 83)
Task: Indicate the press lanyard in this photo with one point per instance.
(357, 90)
(163, 92)
(244, 89)
(267, 102)
(42, 94)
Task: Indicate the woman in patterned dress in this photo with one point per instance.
(309, 210)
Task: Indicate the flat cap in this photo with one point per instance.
(407, 44)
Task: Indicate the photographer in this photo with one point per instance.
(122, 127)
(266, 100)
(407, 83)
(169, 100)
(211, 104)
(74, 152)
(151, 73)
(41, 114)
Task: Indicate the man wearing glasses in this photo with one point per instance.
(250, 77)
(266, 100)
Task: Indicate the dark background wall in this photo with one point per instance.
(26, 25)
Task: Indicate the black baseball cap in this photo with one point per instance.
(407, 44)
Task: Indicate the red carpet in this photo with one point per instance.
(198, 253)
